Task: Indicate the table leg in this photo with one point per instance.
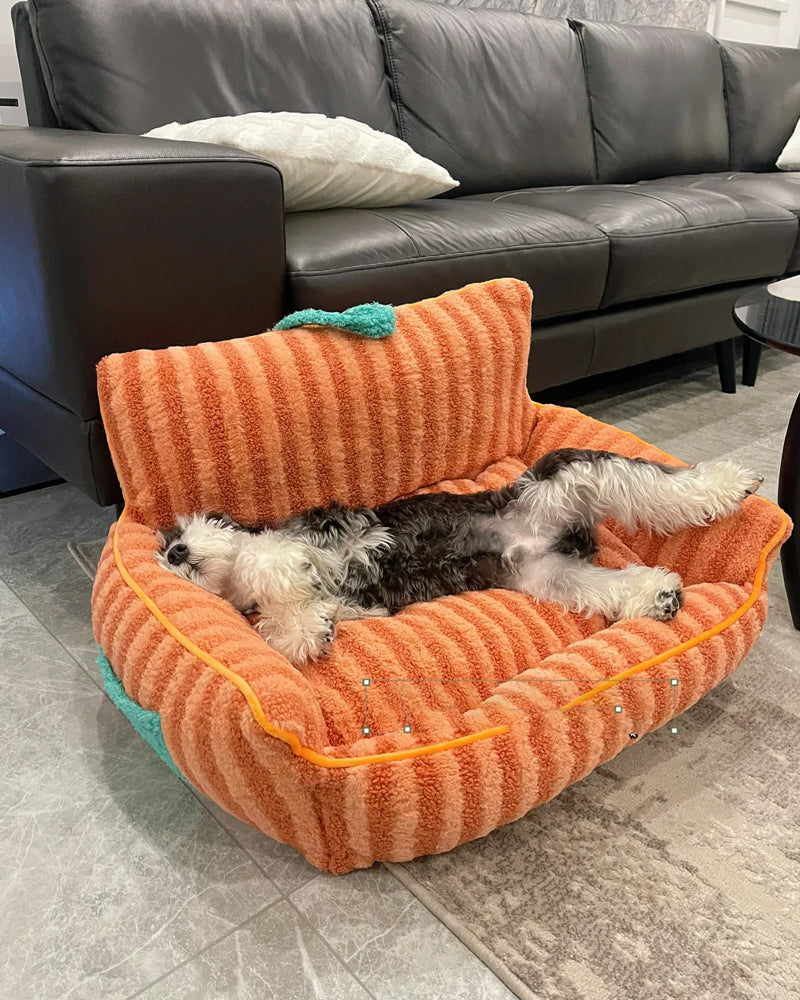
(750, 360)
(726, 362)
(789, 499)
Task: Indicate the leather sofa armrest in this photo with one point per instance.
(113, 242)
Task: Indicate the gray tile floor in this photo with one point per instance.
(117, 880)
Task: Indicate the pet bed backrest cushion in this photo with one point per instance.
(657, 99)
(763, 85)
(131, 65)
(265, 426)
(497, 97)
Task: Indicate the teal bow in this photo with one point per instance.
(372, 319)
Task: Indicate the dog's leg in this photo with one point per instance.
(300, 632)
(580, 487)
(355, 612)
(633, 592)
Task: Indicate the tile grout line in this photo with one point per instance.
(285, 896)
(200, 798)
(95, 681)
(461, 932)
(202, 951)
(339, 958)
(234, 930)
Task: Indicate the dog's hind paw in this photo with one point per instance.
(667, 604)
(657, 594)
(725, 485)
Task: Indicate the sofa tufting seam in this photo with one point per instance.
(302, 273)
(726, 95)
(393, 77)
(47, 72)
(392, 222)
(663, 201)
(577, 27)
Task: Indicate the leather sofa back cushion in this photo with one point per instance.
(496, 97)
(763, 84)
(657, 101)
(131, 65)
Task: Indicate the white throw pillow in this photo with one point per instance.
(789, 158)
(325, 162)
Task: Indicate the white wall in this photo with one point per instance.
(10, 85)
(769, 22)
(673, 13)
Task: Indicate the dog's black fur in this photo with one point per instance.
(436, 548)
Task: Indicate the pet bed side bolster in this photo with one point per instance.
(564, 427)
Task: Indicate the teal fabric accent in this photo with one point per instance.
(369, 320)
(147, 724)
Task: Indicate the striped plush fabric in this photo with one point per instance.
(436, 726)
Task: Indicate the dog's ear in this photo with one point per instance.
(226, 521)
(166, 536)
(223, 520)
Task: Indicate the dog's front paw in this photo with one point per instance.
(314, 643)
(304, 641)
(326, 637)
(657, 594)
(725, 485)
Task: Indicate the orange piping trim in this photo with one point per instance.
(702, 637)
(322, 760)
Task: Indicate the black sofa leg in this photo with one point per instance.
(726, 362)
(750, 360)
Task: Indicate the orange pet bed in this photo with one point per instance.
(431, 728)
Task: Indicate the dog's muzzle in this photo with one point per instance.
(177, 554)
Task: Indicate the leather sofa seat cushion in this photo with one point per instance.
(667, 239)
(763, 87)
(341, 256)
(781, 190)
(117, 66)
(496, 96)
(657, 101)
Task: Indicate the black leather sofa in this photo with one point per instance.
(627, 173)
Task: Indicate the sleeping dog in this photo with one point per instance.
(537, 535)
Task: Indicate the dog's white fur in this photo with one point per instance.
(277, 575)
(295, 586)
(632, 495)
